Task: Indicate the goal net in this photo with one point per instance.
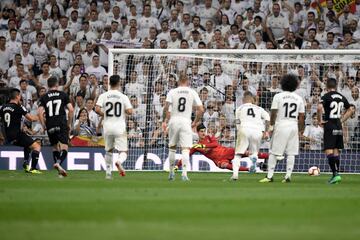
(221, 77)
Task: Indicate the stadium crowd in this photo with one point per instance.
(70, 39)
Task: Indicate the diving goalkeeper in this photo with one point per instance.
(220, 155)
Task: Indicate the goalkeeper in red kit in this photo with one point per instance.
(220, 155)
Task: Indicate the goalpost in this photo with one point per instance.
(221, 77)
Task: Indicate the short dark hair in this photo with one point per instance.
(22, 81)
(52, 82)
(14, 92)
(200, 127)
(331, 83)
(114, 80)
(289, 82)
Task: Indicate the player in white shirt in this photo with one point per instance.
(250, 126)
(113, 106)
(177, 114)
(288, 116)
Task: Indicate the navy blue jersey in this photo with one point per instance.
(55, 103)
(11, 115)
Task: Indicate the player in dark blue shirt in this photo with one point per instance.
(333, 104)
(11, 115)
(53, 106)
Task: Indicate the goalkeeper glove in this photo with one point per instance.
(199, 146)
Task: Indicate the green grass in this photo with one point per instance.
(147, 206)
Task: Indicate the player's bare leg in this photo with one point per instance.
(185, 152)
(172, 152)
(122, 158)
(60, 155)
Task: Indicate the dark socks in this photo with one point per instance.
(26, 155)
(34, 159)
(337, 162)
(63, 156)
(332, 163)
(56, 156)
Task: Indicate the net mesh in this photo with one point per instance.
(221, 80)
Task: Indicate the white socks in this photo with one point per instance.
(122, 157)
(172, 160)
(185, 161)
(236, 166)
(290, 161)
(108, 162)
(271, 166)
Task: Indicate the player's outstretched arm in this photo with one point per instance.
(199, 113)
(301, 122)
(166, 116)
(98, 111)
(41, 113)
(273, 116)
(70, 114)
(319, 114)
(347, 114)
(31, 118)
(129, 111)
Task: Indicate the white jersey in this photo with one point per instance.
(114, 104)
(251, 116)
(289, 105)
(182, 100)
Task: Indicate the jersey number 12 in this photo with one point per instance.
(290, 110)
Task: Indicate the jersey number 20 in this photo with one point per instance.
(336, 108)
(113, 109)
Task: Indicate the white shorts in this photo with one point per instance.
(285, 139)
(118, 142)
(248, 139)
(180, 134)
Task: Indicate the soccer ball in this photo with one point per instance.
(314, 171)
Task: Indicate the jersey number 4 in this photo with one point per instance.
(113, 109)
(250, 112)
(51, 108)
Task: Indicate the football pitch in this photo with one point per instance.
(144, 205)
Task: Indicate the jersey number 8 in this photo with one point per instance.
(182, 102)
